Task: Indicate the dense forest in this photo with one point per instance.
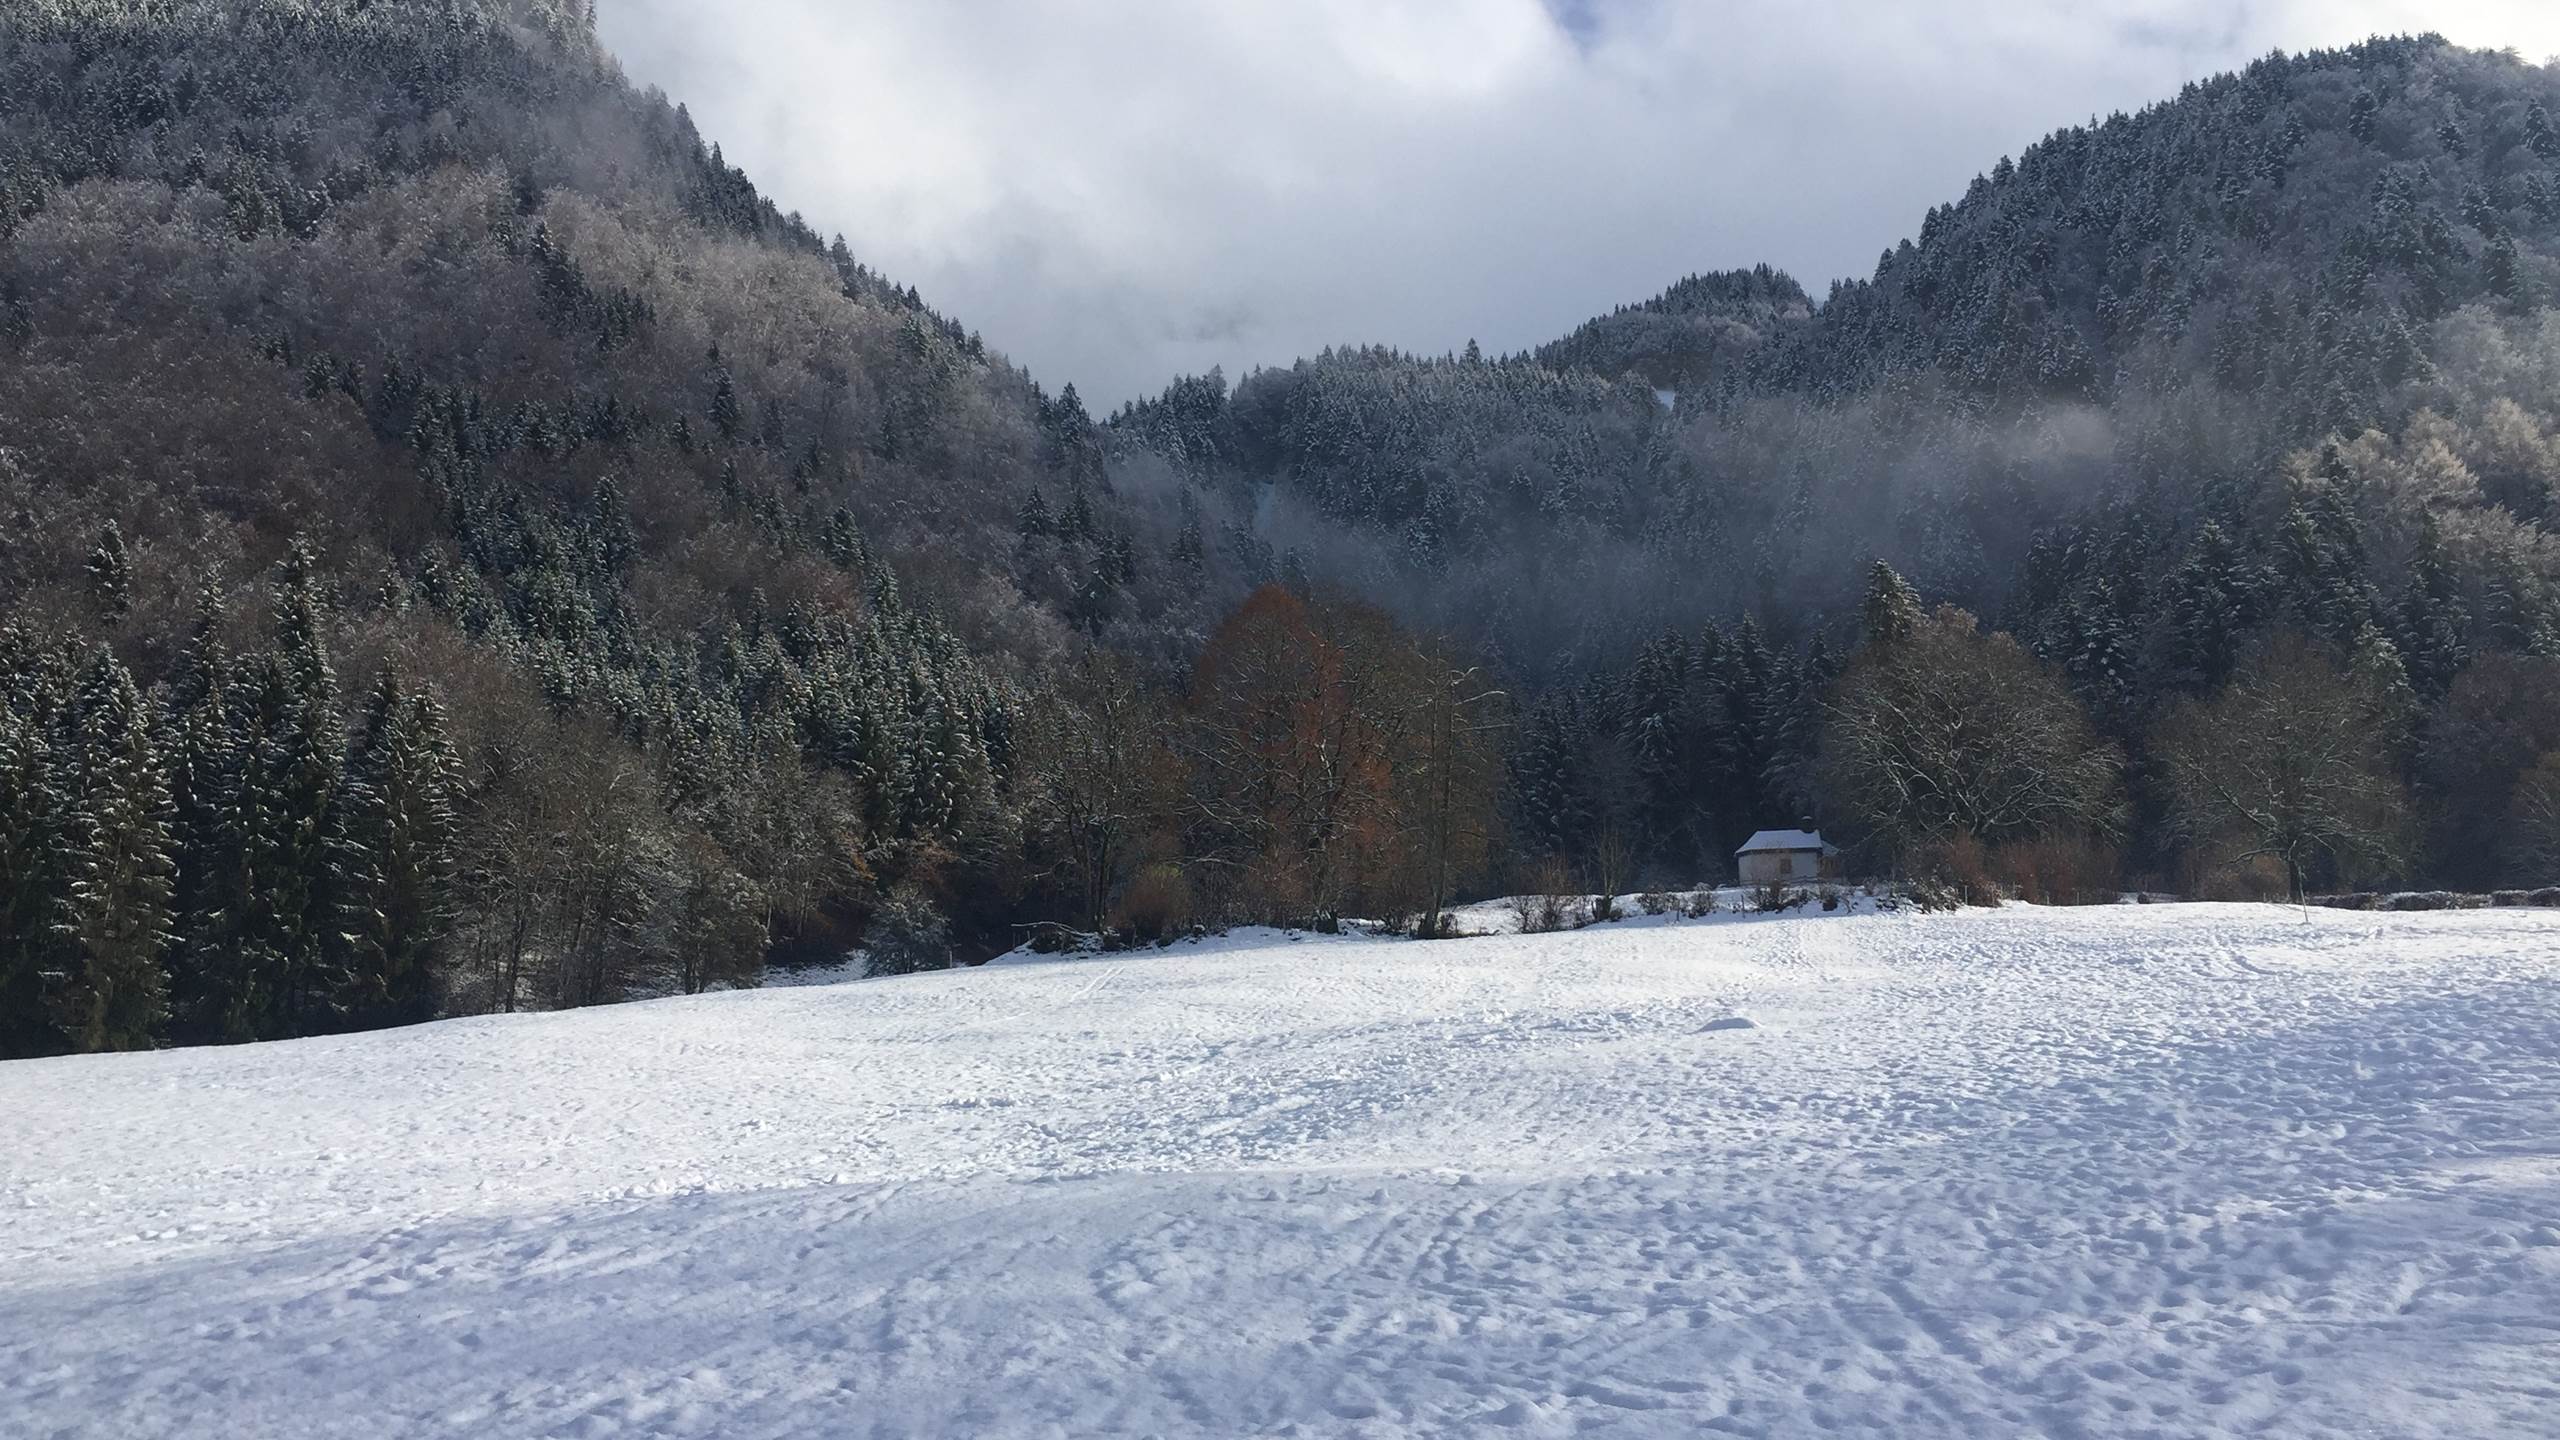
(470, 550)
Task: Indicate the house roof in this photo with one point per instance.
(1783, 840)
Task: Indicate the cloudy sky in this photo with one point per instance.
(1118, 191)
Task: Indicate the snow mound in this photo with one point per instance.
(2160, 1170)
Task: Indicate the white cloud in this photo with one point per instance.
(1118, 191)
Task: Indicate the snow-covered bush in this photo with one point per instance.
(907, 935)
(1777, 896)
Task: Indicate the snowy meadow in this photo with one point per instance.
(2174, 1170)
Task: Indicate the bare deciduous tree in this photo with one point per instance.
(2535, 817)
(1945, 731)
(1103, 781)
(2287, 762)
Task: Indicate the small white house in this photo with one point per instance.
(1775, 855)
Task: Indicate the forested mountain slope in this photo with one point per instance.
(1689, 336)
(468, 549)
(2108, 342)
(453, 486)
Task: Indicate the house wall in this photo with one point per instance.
(1767, 866)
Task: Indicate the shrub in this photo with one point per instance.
(1961, 864)
(1155, 907)
(1778, 896)
(1052, 939)
(2258, 878)
(1698, 903)
(1655, 902)
(2059, 870)
(907, 934)
(1540, 902)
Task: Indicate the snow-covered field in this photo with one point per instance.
(2175, 1171)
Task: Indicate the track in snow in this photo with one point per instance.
(2172, 1171)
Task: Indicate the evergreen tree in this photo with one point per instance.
(1540, 761)
(1032, 521)
(111, 575)
(2321, 561)
(2374, 664)
(2213, 601)
(2503, 271)
(2099, 657)
(1190, 555)
(2362, 116)
(209, 974)
(399, 853)
(1077, 523)
(1891, 610)
(2435, 624)
(117, 915)
(1655, 694)
(32, 882)
(728, 416)
(291, 942)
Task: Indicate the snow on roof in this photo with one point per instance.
(1782, 840)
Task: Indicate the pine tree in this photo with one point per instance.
(1655, 692)
(1077, 523)
(1032, 521)
(1190, 555)
(2321, 562)
(2362, 116)
(32, 882)
(1791, 732)
(17, 313)
(111, 576)
(2374, 663)
(2098, 655)
(117, 915)
(1742, 748)
(291, 943)
(728, 416)
(399, 854)
(1539, 763)
(209, 976)
(2435, 625)
(2503, 271)
(842, 540)
(1891, 610)
(2213, 608)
